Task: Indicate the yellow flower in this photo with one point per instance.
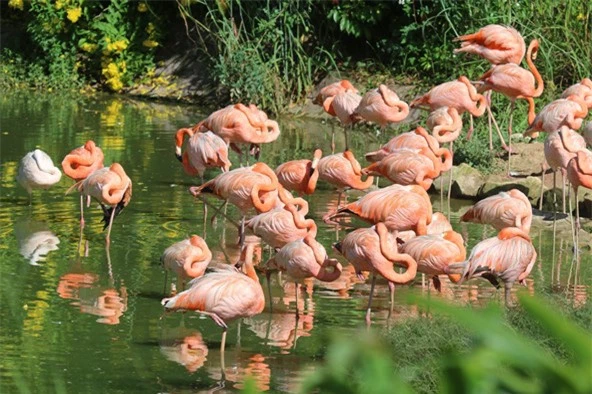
(149, 28)
(88, 47)
(74, 14)
(119, 45)
(122, 66)
(150, 43)
(580, 16)
(142, 7)
(115, 84)
(59, 4)
(111, 71)
(16, 4)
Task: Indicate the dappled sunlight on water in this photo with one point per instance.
(90, 319)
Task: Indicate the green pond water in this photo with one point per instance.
(78, 318)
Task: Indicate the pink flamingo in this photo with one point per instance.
(344, 171)
(205, 149)
(583, 89)
(435, 253)
(110, 186)
(375, 249)
(305, 258)
(562, 112)
(225, 294)
(505, 209)
(399, 207)
(332, 90)
(438, 225)
(579, 173)
(382, 106)
(509, 257)
(80, 163)
(495, 43)
(187, 259)
(300, 175)
(561, 146)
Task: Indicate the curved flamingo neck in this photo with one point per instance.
(248, 112)
(394, 257)
(180, 136)
(533, 48)
(511, 232)
(264, 206)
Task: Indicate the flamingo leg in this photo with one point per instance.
(81, 211)
(577, 245)
(241, 233)
(369, 309)
(296, 291)
(110, 225)
(268, 279)
(450, 174)
(508, 294)
(488, 97)
(563, 190)
(332, 138)
(391, 287)
(512, 105)
(499, 133)
(554, 185)
(345, 136)
(571, 221)
(543, 169)
(222, 347)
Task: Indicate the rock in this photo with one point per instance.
(466, 181)
(531, 186)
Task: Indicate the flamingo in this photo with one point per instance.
(435, 253)
(305, 258)
(399, 207)
(374, 249)
(417, 139)
(508, 257)
(80, 163)
(300, 175)
(583, 89)
(516, 82)
(459, 94)
(246, 187)
(560, 147)
(282, 225)
(579, 173)
(406, 167)
(505, 209)
(225, 294)
(382, 106)
(187, 259)
(344, 171)
(205, 149)
(110, 186)
(343, 106)
(562, 112)
(36, 171)
(332, 90)
(445, 124)
(495, 43)
(241, 124)
(438, 225)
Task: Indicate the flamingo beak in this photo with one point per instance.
(338, 247)
(178, 154)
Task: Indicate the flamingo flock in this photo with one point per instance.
(402, 228)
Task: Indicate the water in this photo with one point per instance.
(79, 318)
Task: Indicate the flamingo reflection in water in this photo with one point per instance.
(35, 240)
(188, 350)
(108, 304)
(282, 330)
(253, 367)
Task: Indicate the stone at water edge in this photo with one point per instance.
(530, 186)
(466, 181)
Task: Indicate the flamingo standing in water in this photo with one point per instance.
(80, 163)
(505, 209)
(375, 249)
(110, 186)
(300, 175)
(508, 257)
(343, 106)
(438, 225)
(333, 90)
(36, 171)
(560, 147)
(305, 258)
(344, 171)
(205, 149)
(225, 294)
(241, 124)
(382, 106)
(399, 207)
(246, 187)
(187, 259)
(282, 225)
(435, 253)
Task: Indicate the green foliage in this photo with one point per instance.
(263, 53)
(475, 152)
(475, 351)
